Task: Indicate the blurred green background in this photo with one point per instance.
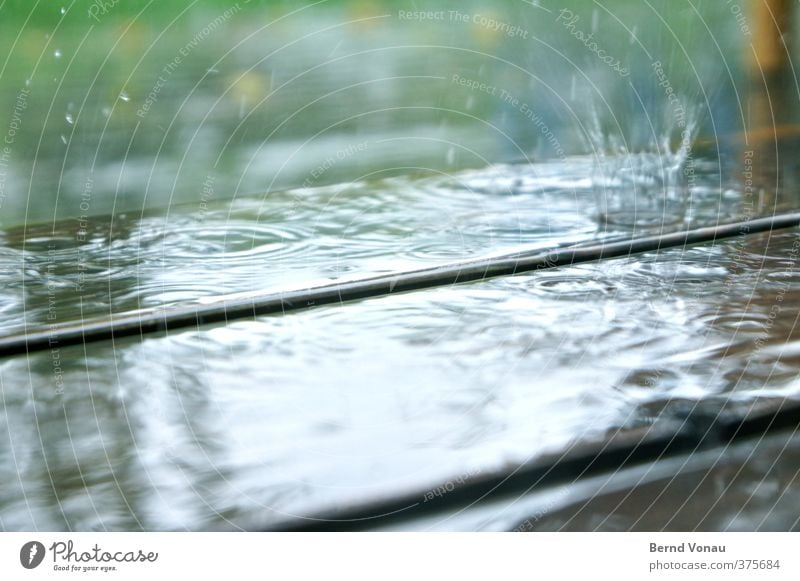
(123, 106)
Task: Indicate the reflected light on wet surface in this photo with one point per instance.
(250, 422)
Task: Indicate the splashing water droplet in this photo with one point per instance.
(124, 96)
(69, 118)
(57, 53)
(63, 139)
(63, 10)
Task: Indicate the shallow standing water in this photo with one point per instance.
(244, 424)
(240, 426)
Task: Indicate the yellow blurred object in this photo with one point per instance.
(771, 27)
(31, 41)
(485, 37)
(134, 37)
(249, 87)
(365, 15)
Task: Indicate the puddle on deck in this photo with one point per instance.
(259, 419)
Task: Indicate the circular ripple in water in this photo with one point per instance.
(571, 286)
